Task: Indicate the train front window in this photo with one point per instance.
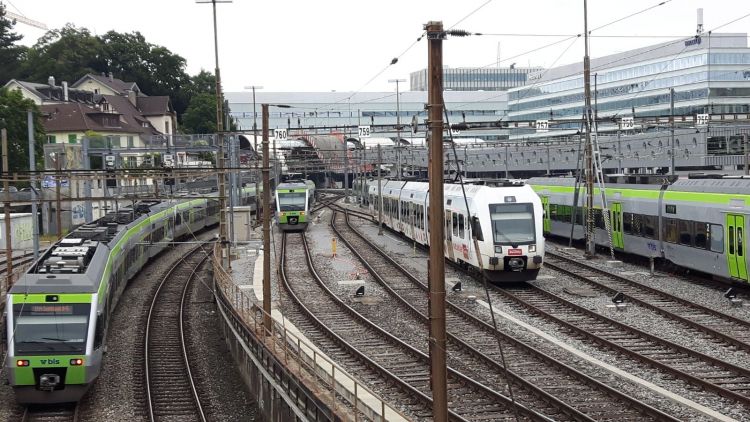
(45, 328)
(292, 201)
(512, 224)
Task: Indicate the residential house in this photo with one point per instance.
(50, 93)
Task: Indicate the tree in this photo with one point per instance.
(200, 116)
(155, 69)
(67, 54)
(11, 55)
(13, 117)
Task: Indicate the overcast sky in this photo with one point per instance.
(343, 45)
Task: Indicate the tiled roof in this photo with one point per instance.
(118, 85)
(55, 93)
(154, 106)
(73, 117)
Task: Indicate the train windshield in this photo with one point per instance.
(45, 328)
(512, 224)
(292, 201)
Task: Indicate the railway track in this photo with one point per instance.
(170, 388)
(50, 413)
(557, 390)
(377, 357)
(717, 327)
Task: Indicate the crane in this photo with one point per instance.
(24, 19)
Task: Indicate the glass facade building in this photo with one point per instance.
(709, 74)
(476, 79)
(320, 111)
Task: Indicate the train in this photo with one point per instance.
(294, 202)
(58, 312)
(696, 223)
(505, 215)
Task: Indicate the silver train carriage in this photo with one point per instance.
(58, 312)
(698, 224)
(507, 219)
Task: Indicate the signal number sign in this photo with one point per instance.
(702, 119)
(280, 134)
(627, 123)
(542, 125)
(364, 131)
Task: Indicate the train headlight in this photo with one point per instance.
(532, 248)
(22, 362)
(76, 362)
(498, 249)
(282, 214)
(301, 213)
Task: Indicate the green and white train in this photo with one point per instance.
(58, 312)
(698, 224)
(294, 202)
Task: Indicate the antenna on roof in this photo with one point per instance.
(699, 30)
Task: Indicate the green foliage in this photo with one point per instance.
(200, 116)
(13, 117)
(155, 69)
(11, 55)
(67, 54)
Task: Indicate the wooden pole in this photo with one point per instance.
(436, 265)
(266, 226)
(8, 239)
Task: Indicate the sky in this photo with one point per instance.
(348, 45)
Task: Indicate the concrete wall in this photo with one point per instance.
(21, 232)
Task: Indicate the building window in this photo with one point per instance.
(72, 138)
(166, 127)
(130, 142)
(51, 139)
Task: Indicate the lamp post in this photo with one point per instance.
(255, 145)
(398, 129)
(267, 220)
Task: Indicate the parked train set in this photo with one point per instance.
(697, 224)
(59, 309)
(505, 215)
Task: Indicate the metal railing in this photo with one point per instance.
(340, 391)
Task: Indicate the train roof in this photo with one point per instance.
(729, 185)
(296, 184)
(62, 268)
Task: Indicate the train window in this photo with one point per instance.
(553, 212)
(649, 226)
(670, 230)
(686, 232)
(740, 237)
(731, 240)
(671, 209)
(461, 226)
(627, 222)
(455, 224)
(99, 332)
(476, 228)
(598, 219)
(701, 235)
(716, 234)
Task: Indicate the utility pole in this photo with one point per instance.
(346, 172)
(32, 183)
(398, 128)
(8, 240)
(364, 171)
(266, 226)
(220, 141)
(380, 194)
(744, 150)
(436, 265)
(58, 199)
(672, 170)
(255, 149)
(589, 152)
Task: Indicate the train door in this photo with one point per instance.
(545, 219)
(616, 221)
(736, 245)
(449, 234)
